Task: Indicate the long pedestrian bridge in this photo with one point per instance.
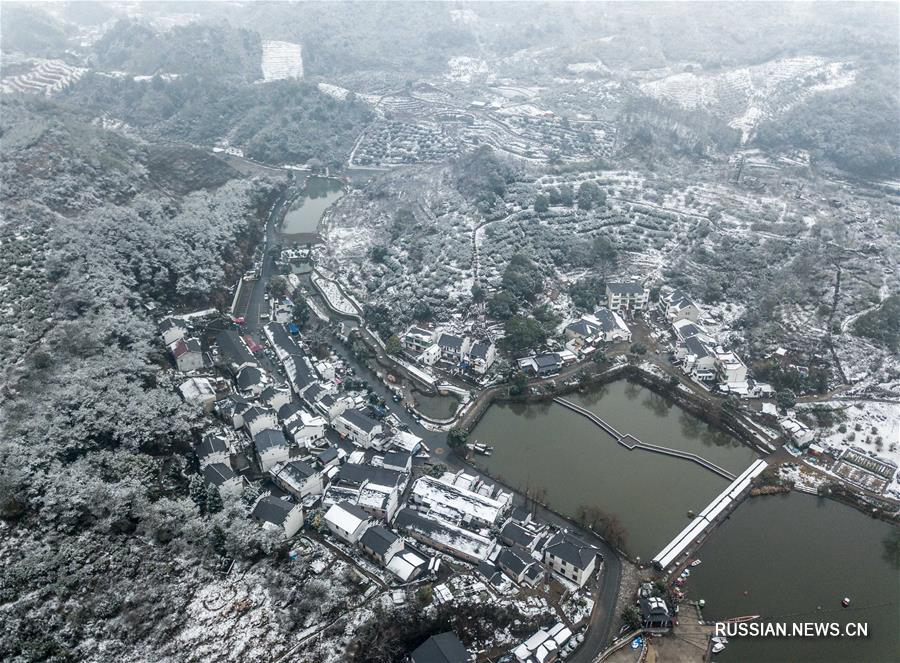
(630, 442)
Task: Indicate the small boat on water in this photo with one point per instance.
(720, 639)
(717, 647)
(480, 448)
(697, 562)
(846, 601)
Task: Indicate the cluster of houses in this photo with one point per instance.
(607, 324)
(698, 353)
(317, 449)
(436, 347)
(545, 646)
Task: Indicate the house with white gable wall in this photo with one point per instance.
(678, 306)
(346, 521)
(275, 513)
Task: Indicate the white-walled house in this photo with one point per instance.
(454, 349)
(698, 357)
(678, 306)
(199, 391)
(481, 356)
(305, 429)
(685, 328)
(416, 339)
(233, 351)
(358, 427)
(380, 543)
(430, 355)
(324, 401)
(518, 563)
(223, 477)
(399, 461)
(731, 370)
(603, 325)
(275, 513)
(571, 557)
(251, 380)
(276, 397)
(626, 296)
(346, 521)
(259, 418)
(271, 448)
(298, 478)
(213, 448)
(172, 329)
(188, 354)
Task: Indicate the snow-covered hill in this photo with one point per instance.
(747, 95)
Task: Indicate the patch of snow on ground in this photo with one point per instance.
(748, 95)
(463, 68)
(874, 419)
(281, 59)
(465, 16)
(336, 91)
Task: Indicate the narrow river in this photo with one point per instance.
(577, 464)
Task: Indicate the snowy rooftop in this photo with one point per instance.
(455, 501)
(446, 534)
(346, 517)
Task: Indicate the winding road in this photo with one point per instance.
(605, 590)
(605, 593)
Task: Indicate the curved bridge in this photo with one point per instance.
(630, 442)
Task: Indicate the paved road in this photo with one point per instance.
(258, 303)
(605, 594)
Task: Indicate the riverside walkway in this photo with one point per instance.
(630, 442)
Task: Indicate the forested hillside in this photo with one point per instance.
(201, 49)
(101, 543)
(854, 128)
(279, 122)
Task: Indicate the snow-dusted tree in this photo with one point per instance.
(198, 492)
(213, 500)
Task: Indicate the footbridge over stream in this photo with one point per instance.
(630, 442)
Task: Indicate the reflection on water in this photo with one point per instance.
(306, 212)
(545, 446)
(436, 407)
(793, 558)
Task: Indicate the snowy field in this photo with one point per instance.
(871, 426)
(463, 69)
(281, 59)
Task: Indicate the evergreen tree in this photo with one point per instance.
(217, 539)
(213, 500)
(197, 491)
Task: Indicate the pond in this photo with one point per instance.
(784, 556)
(305, 213)
(545, 446)
(436, 407)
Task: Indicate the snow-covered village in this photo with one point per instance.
(449, 333)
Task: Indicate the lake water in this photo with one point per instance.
(436, 407)
(306, 212)
(791, 554)
(545, 445)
